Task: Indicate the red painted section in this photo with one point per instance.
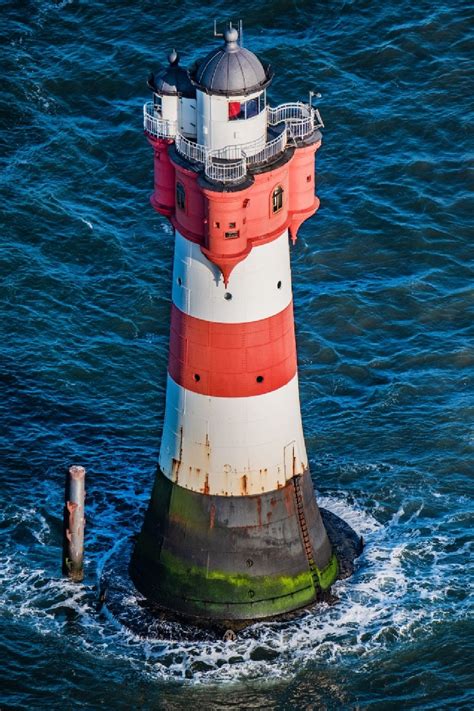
(163, 198)
(227, 225)
(237, 221)
(189, 219)
(303, 202)
(232, 359)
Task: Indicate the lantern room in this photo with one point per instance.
(174, 97)
(231, 87)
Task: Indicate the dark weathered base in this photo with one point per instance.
(222, 558)
(148, 620)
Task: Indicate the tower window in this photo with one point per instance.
(232, 235)
(251, 108)
(277, 199)
(246, 109)
(236, 110)
(180, 196)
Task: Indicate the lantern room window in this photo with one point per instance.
(251, 108)
(277, 199)
(236, 110)
(180, 196)
(246, 109)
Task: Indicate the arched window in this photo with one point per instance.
(180, 196)
(277, 199)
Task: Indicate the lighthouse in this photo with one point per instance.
(233, 530)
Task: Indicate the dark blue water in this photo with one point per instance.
(383, 285)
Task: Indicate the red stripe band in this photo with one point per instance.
(232, 359)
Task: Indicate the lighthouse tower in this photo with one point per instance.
(233, 530)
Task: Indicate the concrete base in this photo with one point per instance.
(221, 558)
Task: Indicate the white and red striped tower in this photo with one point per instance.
(233, 530)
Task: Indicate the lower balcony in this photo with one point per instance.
(287, 125)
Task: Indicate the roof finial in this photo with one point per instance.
(173, 57)
(231, 35)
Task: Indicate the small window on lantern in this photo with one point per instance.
(180, 196)
(251, 108)
(236, 110)
(277, 199)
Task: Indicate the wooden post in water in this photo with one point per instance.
(74, 522)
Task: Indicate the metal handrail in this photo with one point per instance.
(229, 164)
(299, 128)
(234, 152)
(300, 119)
(318, 120)
(285, 112)
(193, 151)
(270, 150)
(228, 172)
(157, 126)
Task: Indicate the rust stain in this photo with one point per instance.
(212, 516)
(71, 509)
(288, 500)
(175, 469)
(176, 463)
(243, 488)
(205, 489)
(259, 511)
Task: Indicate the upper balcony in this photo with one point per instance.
(287, 124)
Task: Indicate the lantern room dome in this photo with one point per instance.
(231, 69)
(173, 80)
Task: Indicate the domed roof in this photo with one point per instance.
(173, 79)
(231, 69)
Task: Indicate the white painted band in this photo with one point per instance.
(232, 446)
(259, 286)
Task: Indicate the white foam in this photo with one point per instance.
(404, 566)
